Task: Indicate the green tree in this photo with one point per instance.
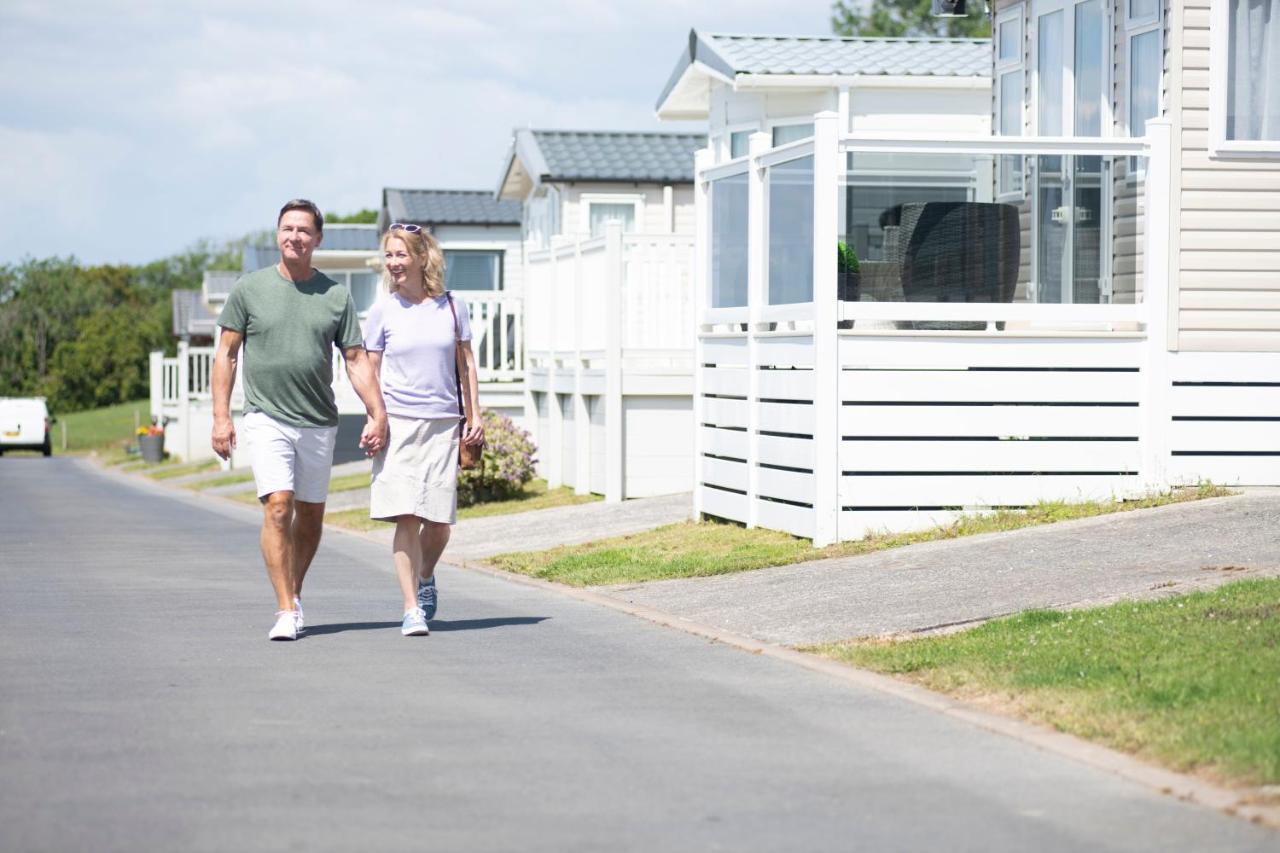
(107, 362)
(905, 18)
(360, 217)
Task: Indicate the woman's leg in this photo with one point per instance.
(406, 554)
(435, 536)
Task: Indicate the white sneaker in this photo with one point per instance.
(415, 623)
(297, 606)
(286, 627)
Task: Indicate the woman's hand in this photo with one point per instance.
(474, 432)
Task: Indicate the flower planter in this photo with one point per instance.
(151, 447)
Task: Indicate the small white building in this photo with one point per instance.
(608, 238)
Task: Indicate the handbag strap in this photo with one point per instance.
(457, 374)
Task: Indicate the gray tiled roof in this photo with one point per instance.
(191, 316)
(711, 57)
(448, 207)
(617, 156)
(217, 284)
(939, 57)
(343, 237)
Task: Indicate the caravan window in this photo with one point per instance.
(472, 270)
(1244, 78)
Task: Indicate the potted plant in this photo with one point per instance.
(847, 276)
(151, 443)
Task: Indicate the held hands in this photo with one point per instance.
(473, 434)
(224, 438)
(374, 437)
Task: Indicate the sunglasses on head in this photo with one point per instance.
(405, 226)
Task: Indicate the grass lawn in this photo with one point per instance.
(697, 549)
(244, 476)
(105, 430)
(536, 495)
(1192, 682)
(169, 471)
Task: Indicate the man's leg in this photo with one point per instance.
(308, 524)
(314, 462)
(406, 555)
(434, 537)
(277, 545)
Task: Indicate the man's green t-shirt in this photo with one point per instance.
(290, 329)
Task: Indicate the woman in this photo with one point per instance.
(419, 340)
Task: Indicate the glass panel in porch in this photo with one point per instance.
(729, 242)
(790, 193)
(930, 228)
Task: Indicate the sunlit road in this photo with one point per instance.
(142, 708)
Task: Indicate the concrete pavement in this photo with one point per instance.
(1139, 554)
(142, 708)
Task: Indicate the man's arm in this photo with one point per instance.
(225, 362)
(364, 380)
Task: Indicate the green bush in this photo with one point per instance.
(507, 464)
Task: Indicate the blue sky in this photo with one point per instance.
(132, 129)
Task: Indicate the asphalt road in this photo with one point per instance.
(142, 708)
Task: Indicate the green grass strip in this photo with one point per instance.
(1192, 682)
(536, 495)
(229, 480)
(699, 549)
(169, 471)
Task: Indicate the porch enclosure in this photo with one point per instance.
(181, 386)
(892, 331)
(609, 362)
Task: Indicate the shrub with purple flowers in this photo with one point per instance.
(505, 467)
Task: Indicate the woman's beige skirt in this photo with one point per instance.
(418, 472)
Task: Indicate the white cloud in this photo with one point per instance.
(159, 124)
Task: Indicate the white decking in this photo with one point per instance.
(610, 363)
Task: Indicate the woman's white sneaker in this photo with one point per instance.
(415, 623)
(286, 627)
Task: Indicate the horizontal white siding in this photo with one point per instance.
(1228, 261)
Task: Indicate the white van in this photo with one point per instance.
(24, 424)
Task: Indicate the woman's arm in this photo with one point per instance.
(474, 433)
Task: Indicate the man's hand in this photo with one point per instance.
(224, 437)
(374, 437)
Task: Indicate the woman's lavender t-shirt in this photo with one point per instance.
(416, 342)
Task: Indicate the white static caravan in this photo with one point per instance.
(608, 228)
(1077, 304)
(1210, 71)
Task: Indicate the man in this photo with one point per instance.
(289, 317)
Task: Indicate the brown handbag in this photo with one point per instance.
(469, 455)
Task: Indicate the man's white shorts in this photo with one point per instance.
(288, 458)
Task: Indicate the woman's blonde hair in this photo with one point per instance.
(424, 248)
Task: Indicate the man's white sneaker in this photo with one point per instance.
(286, 627)
(415, 624)
(297, 606)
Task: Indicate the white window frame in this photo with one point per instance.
(637, 200)
(1134, 27)
(729, 131)
(500, 249)
(788, 121)
(1014, 14)
(1219, 47)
